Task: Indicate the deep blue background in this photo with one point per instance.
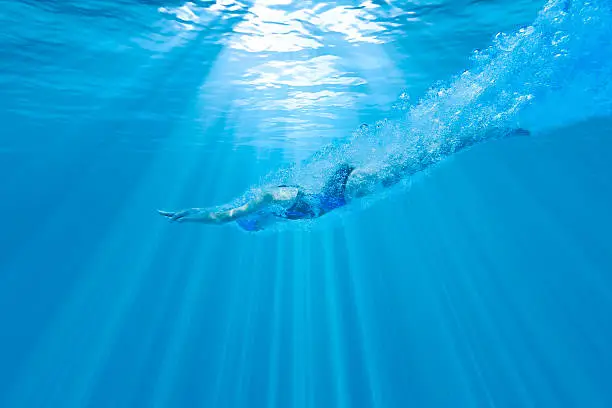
(487, 284)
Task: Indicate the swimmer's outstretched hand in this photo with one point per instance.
(180, 216)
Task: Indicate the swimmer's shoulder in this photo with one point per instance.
(284, 193)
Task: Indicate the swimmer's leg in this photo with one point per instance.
(491, 134)
(366, 181)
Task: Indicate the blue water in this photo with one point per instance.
(485, 281)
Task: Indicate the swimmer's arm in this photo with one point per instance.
(206, 216)
(261, 200)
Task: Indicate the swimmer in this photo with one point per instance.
(347, 183)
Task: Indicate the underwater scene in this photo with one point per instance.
(282, 203)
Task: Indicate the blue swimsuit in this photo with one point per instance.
(311, 205)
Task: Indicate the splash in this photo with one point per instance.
(548, 75)
(537, 71)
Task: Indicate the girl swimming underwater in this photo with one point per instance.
(347, 183)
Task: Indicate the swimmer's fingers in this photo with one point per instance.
(168, 214)
(173, 216)
(180, 216)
